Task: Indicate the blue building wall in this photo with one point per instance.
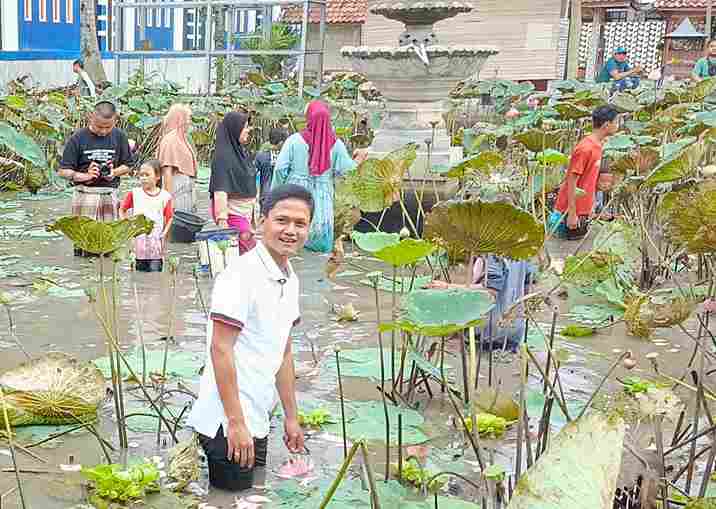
(159, 30)
(48, 35)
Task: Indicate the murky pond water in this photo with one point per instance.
(51, 313)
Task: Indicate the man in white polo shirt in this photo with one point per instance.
(254, 306)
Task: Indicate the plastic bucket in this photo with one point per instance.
(185, 227)
(216, 249)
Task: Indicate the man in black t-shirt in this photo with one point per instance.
(93, 160)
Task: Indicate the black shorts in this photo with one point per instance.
(149, 265)
(580, 231)
(225, 474)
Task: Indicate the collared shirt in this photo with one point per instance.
(253, 294)
(605, 75)
(87, 88)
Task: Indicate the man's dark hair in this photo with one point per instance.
(286, 192)
(602, 115)
(79, 62)
(277, 135)
(105, 110)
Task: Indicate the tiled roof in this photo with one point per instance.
(607, 3)
(680, 4)
(337, 11)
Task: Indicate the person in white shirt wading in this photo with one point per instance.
(249, 357)
(84, 82)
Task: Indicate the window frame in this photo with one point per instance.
(70, 12)
(28, 10)
(56, 11)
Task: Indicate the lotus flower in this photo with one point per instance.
(295, 467)
(512, 114)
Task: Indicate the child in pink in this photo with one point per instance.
(156, 205)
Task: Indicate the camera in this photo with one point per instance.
(105, 170)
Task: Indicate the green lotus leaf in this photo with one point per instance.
(634, 126)
(699, 91)
(479, 227)
(619, 142)
(702, 503)
(22, 145)
(497, 402)
(407, 252)
(706, 117)
(680, 166)
(638, 162)
(372, 242)
(101, 238)
(443, 312)
(570, 111)
(692, 219)
(377, 182)
(551, 157)
(403, 158)
(483, 162)
(51, 390)
(537, 140)
(565, 477)
(670, 149)
(625, 103)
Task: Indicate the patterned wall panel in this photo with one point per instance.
(643, 42)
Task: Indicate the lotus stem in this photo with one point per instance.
(140, 335)
(387, 436)
(473, 376)
(170, 337)
(343, 410)
(697, 414)
(520, 421)
(339, 478)
(392, 333)
(463, 357)
(549, 350)
(11, 329)
(474, 440)
(124, 441)
(658, 421)
(11, 444)
(200, 294)
(375, 501)
(560, 401)
(601, 384)
(400, 447)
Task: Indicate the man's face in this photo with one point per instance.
(101, 126)
(285, 228)
(605, 182)
(712, 49)
(76, 68)
(613, 126)
(620, 57)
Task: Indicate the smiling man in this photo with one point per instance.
(254, 306)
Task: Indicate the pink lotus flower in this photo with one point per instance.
(295, 467)
(512, 114)
(710, 305)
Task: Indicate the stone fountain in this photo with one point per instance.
(416, 76)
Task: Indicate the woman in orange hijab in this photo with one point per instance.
(178, 158)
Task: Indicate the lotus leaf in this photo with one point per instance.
(368, 422)
(590, 269)
(625, 103)
(702, 503)
(53, 389)
(375, 183)
(570, 111)
(184, 463)
(22, 145)
(180, 364)
(496, 402)
(444, 312)
(691, 218)
(638, 162)
(551, 157)
(679, 166)
(565, 477)
(595, 315)
(671, 149)
(101, 238)
(483, 162)
(373, 242)
(577, 331)
(363, 363)
(407, 252)
(645, 313)
(537, 140)
(619, 142)
(403, 158)
(478, 227)
(403, 284)
(700, 90)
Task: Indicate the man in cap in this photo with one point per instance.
(618, 70)
(84, 82)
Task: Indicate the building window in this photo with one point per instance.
(42, 11)
(28, 10)
(70, 11)
(616, 15)
(55, 11)
(150, 13)
(167, 18)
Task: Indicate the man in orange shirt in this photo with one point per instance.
(583, 173)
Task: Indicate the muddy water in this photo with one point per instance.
(46, 323)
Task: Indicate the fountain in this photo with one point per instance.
(417, 76)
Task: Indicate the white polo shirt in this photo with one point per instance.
(252, 293)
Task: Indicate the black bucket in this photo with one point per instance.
(185, 227)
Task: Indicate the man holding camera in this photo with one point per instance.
(93, 160)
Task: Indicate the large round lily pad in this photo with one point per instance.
(54, 389)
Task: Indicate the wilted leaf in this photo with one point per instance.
(51, 390)
(478, 227)
(537, 140)
(645, 313)
(691, 218)
(484, 162)
(407, 252)
(565, 477)
(638, 162)
(403, 158)
(625, 103)
(497, 402)
(101, 238)
(570, 111)
(376, 183)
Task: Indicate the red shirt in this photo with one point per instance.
(162, 199)
(585, 162)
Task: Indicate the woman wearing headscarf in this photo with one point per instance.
(178, 158)
(312, 159)
(232, 187)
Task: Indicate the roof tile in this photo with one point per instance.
(337, 11)
(680, 4)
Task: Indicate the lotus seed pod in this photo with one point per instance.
(404, 233)
(629, 363)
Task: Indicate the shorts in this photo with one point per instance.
(557, 224)
(149, 265)
(228, 475)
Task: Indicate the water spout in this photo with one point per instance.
(422, 52)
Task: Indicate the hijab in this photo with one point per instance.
(319, 136)
(232, 168)
(174, 148)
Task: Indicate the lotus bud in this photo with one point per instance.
(512, 114)
(404, 233)
(337, 348)
(91, 294)
(629, 362)
(173, 264)
(5, 299)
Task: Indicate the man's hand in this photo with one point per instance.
(637, 69)
(294, 436)
(572, 221)
(93, 171)
(111, 171)
(240, 445)
(360, 155)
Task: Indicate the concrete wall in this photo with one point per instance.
(337, 36)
